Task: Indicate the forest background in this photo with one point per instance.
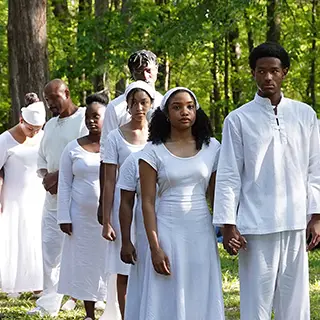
(203, 45)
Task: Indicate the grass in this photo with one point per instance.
(16, 308)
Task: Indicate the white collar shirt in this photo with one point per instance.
(268, 177)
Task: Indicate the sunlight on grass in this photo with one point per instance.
(16, 309)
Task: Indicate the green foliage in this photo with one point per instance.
(83, 46)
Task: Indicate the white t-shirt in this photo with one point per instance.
(117, 115)
(118, 148)
(268, 177)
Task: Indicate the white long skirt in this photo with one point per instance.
(82, 271)
(194, 288)
(20, 239)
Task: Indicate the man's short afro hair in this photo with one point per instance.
(269, 49)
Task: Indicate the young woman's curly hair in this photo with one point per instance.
(160, 127)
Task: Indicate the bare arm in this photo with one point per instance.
(101, 179)
(128, 253)
(148, 179)
(107, 196)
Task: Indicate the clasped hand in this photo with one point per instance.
(50, 182)
(233, 241)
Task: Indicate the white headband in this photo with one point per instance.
(140, 85)
(173, 90)
(34, 114)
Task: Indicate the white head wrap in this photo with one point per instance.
(173, 90)
(34, 114)
(140, 85)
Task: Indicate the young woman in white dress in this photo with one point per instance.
(182, 272)
(132, 251)
(82, 271)
(22, 197)
(120, 143)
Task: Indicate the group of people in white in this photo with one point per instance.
(113, 202)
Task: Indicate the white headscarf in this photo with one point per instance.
(140, 85)
(34, 114)
(173, 90)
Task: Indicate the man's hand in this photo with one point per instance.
(233, 241)
(66, 228)
(313, 231)
(50, 182)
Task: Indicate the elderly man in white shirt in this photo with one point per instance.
(58, 132)
(267, 189)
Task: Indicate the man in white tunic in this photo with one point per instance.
(267, 188)
(58, 132)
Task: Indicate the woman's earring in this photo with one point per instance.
(168, 119)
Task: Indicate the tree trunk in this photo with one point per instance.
(85, 12)
(61, 11)
(116, 4)
(100, 81)
(250, 33)
(28, 55)
(234, 61)
(273, 21)
(85, 7)
(311, 91)
(120, 87)
(164, 65)
(101, 7)
(226, 76)
(215, 98)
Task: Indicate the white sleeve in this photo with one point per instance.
(110, 123)
(111, 155)
(65, 186)
(128, 174)
(83, 129)
(148, 155)
(42, 162)
(217, 155)
(3, 148)
(228, 180)
(314, 170)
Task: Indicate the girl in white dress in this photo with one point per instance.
(22, 197)
(131, 210)
(82, 271)
(182, 272)
(129, 138)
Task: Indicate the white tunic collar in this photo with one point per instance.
(266, 102)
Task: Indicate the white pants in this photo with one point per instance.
(274, 274)
(52, 240)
